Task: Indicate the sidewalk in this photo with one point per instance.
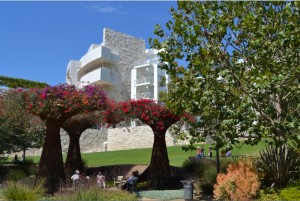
(168, 195)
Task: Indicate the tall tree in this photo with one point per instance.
(54, 105)
(20, 130)
(75, 126)
(241, 67)
(159, 118)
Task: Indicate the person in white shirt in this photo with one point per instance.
(101, 180)
(75, 178)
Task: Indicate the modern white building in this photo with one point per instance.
(126, 70)
(122, 65)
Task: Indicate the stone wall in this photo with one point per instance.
(91, 140)
(135, 137)
(129, 49)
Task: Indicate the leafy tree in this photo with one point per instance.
(54, 105)
(18, 82)
(21, 131)
(241, 74)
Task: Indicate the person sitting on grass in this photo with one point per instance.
(131, 181)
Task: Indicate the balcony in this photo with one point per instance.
(100, 76)
(102, 53)
(96, 57)
(144, 81)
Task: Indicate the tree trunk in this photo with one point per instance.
(159, 168)
(218, 159)
(51, 165)
(74, 160)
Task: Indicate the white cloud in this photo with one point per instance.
(106, 8)
(103, 9)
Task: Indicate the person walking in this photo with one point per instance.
(202, 152)
(210, 152)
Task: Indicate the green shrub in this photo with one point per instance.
(206, 172)
(196, 166)
(279, 166)
(96, 194)
(16, 191)
(208, 180)
(268, 195)
(291, 192)
(224, 163)
(16, 175)
(29, 167)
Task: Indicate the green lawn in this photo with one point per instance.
(142, 156)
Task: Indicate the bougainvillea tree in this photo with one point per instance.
(75, 126)
(54, 105)
(159, 118)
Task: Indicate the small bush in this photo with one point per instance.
(196, 166)
(16, 191)
(96, 194)
(208, 180)
(239, 183)
(224, 164)
(268, 195)
(291, 192)
(29, 167)
(16, 175)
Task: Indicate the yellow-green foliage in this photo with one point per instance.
(16, 191)
(96, 194)
(268, 195)
(239, 183)
(292, 192)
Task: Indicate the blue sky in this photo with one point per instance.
(38, 39)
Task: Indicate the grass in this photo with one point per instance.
(18, 191)
(142, 156)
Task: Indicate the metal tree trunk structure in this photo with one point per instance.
(51, 163)
(159, 168)
(75, 126)
(74, 160)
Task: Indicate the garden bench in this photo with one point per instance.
(119, 181)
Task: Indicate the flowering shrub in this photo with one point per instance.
(63, 101)
(113, 114)
(239, 183)
(157, 116)
(54, 105)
